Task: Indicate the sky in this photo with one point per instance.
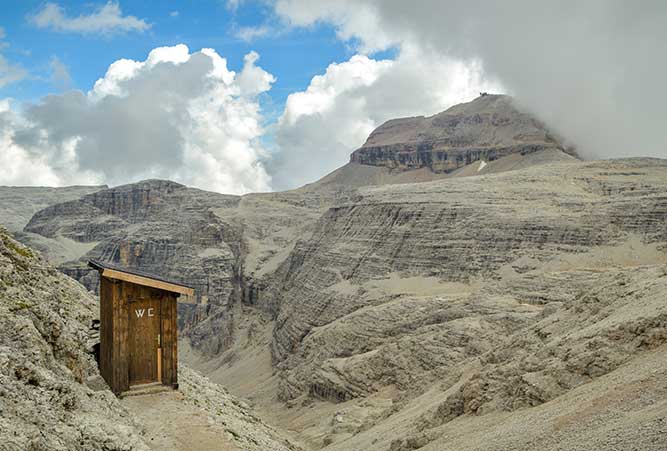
(243, 96)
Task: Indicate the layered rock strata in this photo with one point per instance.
(160, 227)
(488, 128)
(451, 231)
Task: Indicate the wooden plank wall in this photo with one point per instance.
(169, 340)
(106, 330)
(121, 371)
(114, 332)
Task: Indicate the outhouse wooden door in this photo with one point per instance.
(144, 340)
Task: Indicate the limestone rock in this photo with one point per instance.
(157, 226)
(45, 403)
(488, 128)
(19, 203)
(432, 314)
(506, 290)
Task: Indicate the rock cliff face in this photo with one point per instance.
(19, 203)
(157, 226)
(222, 245)
(488, 128)
(44, 401)
(450, 231)
(473, 289)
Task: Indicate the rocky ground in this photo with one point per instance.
(45, 403)
(202, 416)
(416, 309)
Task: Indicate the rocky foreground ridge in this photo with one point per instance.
(51, 394)
(44, 401)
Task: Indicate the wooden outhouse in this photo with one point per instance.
(138, 327)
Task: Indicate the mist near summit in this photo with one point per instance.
(592, 70)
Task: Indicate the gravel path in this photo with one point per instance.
(172, 424)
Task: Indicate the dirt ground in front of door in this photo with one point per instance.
(172, 424)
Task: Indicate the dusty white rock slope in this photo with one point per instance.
(52, 396)
(414, 312)
(44, 401)
(202, 416)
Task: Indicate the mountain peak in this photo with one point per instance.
(487, 128)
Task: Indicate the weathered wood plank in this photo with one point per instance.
(173, 326)
(106, 330)
(168, 339)
(129, 346)
(146, 281)
(121, 334)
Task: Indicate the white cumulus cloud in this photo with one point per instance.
(107, 19)
(176, 115)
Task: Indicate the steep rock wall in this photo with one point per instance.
(462, 231)
(160, 227)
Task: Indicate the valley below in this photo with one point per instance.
(465, 282)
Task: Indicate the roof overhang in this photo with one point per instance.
(112, 271)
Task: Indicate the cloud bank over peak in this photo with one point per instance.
(593, 70)
(176, 115)
(186, 117)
